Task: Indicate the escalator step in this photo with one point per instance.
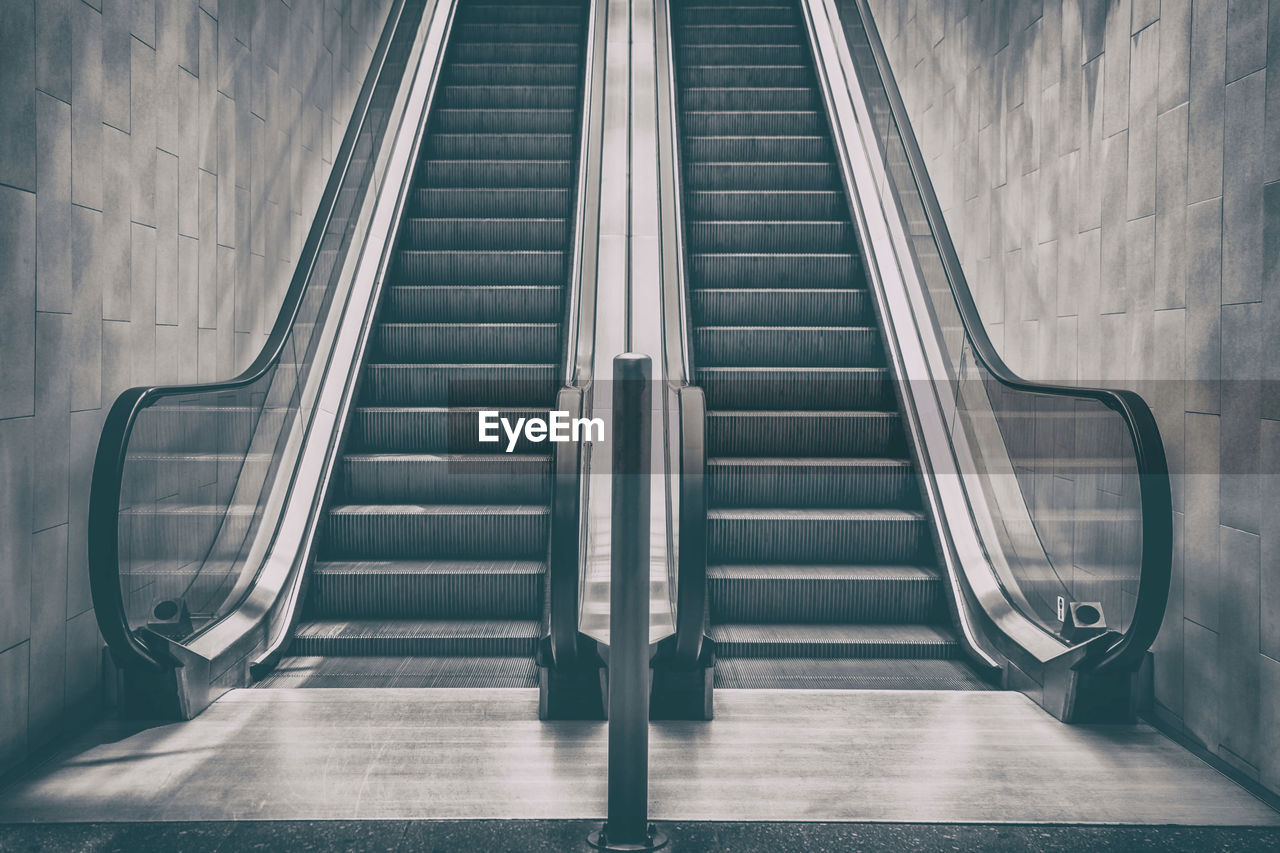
(500, 32)
(417, 267)
(201, 429)
(752, 237)
(399, 671)
(468, 343)
(521, 13)
(435, 429)
(762, 176)
(501, 146)
(208, 468)
(504, 73)
(460, 531)
(755, 149)
(796, 388)
(733, 5)
(496, 52)
(431, 589)
(722, 98)
(826, 594)
(813, 205)
(789, 306)
(776, 270)
(741, 54)
(789, 346)
(793, 434)
(425, 637)
(765, 13)
(459, 384)
(747, 75)
(481, 478)
(483, 233)
(508, 97)
(505, 121)
(153, 530)
(804, 640)
(749, 123)
(690, 35)
(471, 304)
(497, 173)
(546, 203)
(824, 535)
(851, 483)
(845, 674)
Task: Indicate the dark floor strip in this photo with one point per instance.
(535, 836)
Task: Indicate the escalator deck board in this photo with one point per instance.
(417, 671)
(846, 674)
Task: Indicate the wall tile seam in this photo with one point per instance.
(46, 529)
(47, 93)
(24, 641)
(86, 206)
(79, 613)
(1200, 625)
(19, 189)
(1241, 763)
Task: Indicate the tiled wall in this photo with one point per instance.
(160, 163)
(1109, 171)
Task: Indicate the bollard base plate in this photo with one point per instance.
(599, 839)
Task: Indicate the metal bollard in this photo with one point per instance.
(627, 826)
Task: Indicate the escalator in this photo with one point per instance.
(821, 569)
(858, 492)
(431, 570)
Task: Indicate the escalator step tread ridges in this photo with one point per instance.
(431, 567)
(845, 674)
(420, 628)
(821, 568)
(432, 562)
(399, 671)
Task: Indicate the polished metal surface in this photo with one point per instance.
(628, 820)
(626, 312)
(944, 756)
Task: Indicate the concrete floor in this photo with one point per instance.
(910, 756)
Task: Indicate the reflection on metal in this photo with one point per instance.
(683, 667)
(628, 827)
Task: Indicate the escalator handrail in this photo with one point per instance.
(691, 587)
(108, 469)
(565, 546)
(579, 348)
(1152, 464)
